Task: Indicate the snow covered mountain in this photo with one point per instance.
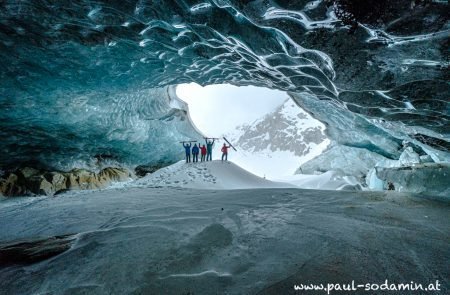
(278, 143)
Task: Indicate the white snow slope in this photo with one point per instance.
(206, 175)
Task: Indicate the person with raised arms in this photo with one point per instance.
(195, 151)
(203, 153)
(225, 152)
(209, 147)
(187, 149)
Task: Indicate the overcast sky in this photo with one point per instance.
(218, 109)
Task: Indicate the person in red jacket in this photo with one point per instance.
(225, 152)
(203, 153)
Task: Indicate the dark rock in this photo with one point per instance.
(32, 251)
(27, 172)
(38, 185)
(46, 184)
(10, 186)
(81, 179)
(142, 170)
(113, 174)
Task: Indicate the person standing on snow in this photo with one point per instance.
(187, 148)
(209, 146)
(225, 152)
(195, 151)
(203, 152)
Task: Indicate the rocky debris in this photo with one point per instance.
(39, 185)
(109, 174)
(27, 172)
(26, 181)
(82, 179)
(10, 186)
(143, 170)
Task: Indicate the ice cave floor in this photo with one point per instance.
(186, 241)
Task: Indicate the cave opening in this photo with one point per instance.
(273, 135)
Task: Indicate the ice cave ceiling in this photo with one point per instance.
(82, 78)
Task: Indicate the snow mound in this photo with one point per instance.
(206, 175)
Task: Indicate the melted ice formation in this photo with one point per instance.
(83, 78)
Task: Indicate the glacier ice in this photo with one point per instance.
(409, 157)
(80, 79)
(145, 241)
(411, 173)
(428, 178)
(349, 160)
(77, 130)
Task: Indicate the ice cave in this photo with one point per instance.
(345, 179)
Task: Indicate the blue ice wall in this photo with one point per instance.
(82, 78)
(66, 130)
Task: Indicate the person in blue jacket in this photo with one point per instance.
(195, 152)
(187, 148)
(209, 147)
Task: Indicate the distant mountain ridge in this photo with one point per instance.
(287, 128)
(286, 137)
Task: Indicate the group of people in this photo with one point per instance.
(205, 151)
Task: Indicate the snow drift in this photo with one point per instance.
(206, 175)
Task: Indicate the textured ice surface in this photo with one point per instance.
(411, 173)
(77, 129)
(181, 241)
(429, 178)
(349, 160)
(409, 157)
(80, 78)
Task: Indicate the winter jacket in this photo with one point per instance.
(187, 147)
(209, 146)
(225, 149)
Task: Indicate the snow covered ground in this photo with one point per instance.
(207, 175)
(227, 175)
(193, 229)
(185, 241)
